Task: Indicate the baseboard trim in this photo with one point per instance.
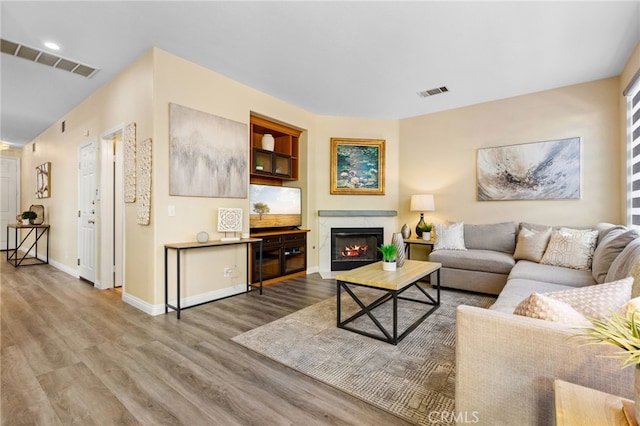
(190, 301)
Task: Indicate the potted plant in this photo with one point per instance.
(389, 253)
(622, 331)
(425, 228)
(259, 163)
(28, 217)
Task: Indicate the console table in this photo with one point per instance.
(38, 231)
(179, 247)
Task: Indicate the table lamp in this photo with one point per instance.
(422, 203)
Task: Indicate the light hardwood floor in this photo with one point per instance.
(71, 354)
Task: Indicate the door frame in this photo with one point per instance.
(18, 189)
(106, 188)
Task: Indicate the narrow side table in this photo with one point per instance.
(27, 259)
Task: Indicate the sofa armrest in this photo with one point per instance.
(506, 365)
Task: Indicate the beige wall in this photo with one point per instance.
(439, 155)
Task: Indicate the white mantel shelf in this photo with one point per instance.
(357, 213)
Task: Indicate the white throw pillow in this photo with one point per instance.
(532, 244)
(449, 237)
(571, 249)
(596, 301)
(546, 308)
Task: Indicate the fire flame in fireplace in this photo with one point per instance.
(355, 250)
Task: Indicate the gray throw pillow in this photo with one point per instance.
(608, 249)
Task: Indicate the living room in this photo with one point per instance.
(432, 153)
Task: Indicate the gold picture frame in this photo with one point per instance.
(357, 166)
(43, 180)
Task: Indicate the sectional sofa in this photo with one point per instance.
(506, 363)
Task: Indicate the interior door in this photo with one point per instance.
(9, 197)
(87, 211)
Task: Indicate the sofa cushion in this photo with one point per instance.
(532, 244)
(449, 237)
(622, 265)
(571, 248)
(597, 301)
(608, 249)
(517, 289)
(474, 260)
(525, 269)
(546, 308)
(494, 236)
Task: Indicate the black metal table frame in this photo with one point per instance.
(179, 308)
(12, 254)
(393, 295)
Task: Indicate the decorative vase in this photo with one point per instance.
(420, 225)
(389, 266)
(637, 394)
(268, 143)
(405, 231)
(396, 240)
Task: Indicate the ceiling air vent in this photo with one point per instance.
(431, 92)
(45, 58)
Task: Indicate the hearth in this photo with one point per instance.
(354, 247)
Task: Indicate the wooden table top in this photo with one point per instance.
(372, 275)
(212, 243)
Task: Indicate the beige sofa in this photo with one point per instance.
(506, 363)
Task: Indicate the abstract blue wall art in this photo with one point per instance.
(547, 170)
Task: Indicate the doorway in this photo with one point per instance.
(9, 196)
(87, 196)
(112, 209)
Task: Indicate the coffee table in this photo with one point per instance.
(392, 284)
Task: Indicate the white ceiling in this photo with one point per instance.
(358, 59)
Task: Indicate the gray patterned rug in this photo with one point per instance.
(409, 380)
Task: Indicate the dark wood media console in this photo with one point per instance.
(284, 255)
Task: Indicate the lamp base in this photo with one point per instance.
(420, 225)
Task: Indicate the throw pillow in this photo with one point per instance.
(608, 249)
(531, 244)
(546, 308)
(449, 237)
(596, 301)
(571, 249)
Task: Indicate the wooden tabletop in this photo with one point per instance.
(373, 275)
(19, 225)
(212, 243)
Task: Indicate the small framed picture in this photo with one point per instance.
(43, 180)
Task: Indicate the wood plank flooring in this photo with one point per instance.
(71, 354)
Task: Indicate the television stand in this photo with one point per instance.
(284, 255)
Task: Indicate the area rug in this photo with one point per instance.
(413, 380)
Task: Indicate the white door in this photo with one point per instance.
(9, 197)
(87, 211)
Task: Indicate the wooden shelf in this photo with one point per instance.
(285, 152)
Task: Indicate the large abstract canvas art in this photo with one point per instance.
(208, 154)
(547, 170)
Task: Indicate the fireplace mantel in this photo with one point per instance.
(357, 213)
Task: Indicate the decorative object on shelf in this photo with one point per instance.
(38, 209)
(143, 187)
(202, 237)
(405, 231)
(230, 220)
(426, 230)
(207, 155)
(389, 253)
(531, 171)
(28, 216)
(357, 166)
(622, 331)
(259, 163)
(422, 203)
(268, 143)
(398, 241)
(130, 163)
(43, 180)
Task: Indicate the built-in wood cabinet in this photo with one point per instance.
(273, 167)
(284, 255)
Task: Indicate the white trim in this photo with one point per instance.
(154, 310)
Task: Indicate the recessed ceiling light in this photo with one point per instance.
(51, 45)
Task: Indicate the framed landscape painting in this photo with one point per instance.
(357, 166)
(547, 170)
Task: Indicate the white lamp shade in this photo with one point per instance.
(422, 203)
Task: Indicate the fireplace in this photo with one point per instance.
(354, 247)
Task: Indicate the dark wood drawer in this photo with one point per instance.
(271, 240)
(295, 237)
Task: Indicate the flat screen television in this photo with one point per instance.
(274, 206)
